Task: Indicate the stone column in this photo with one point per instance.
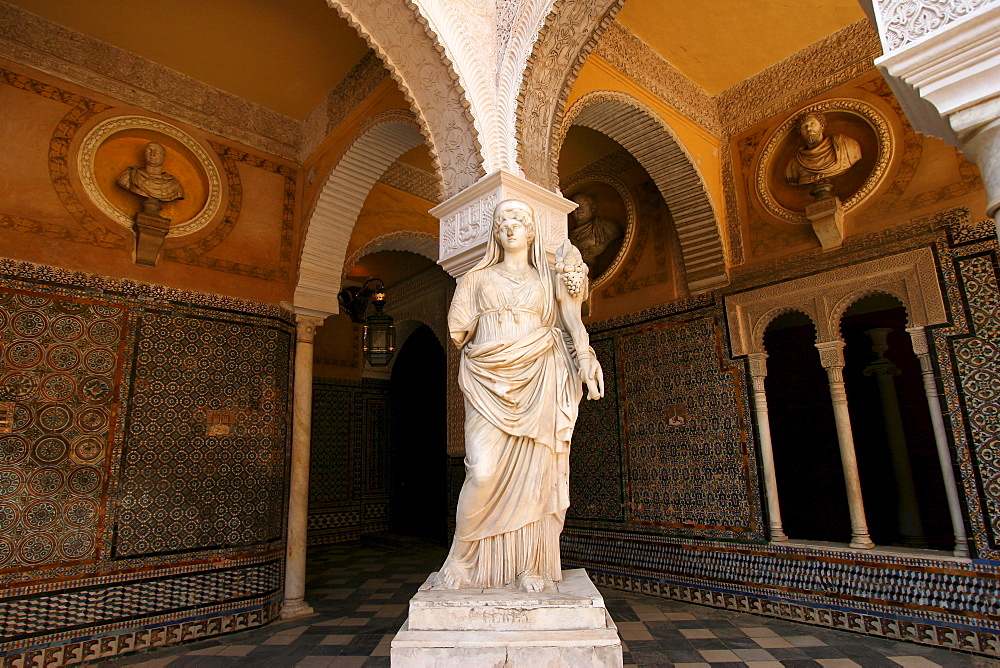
(758, 372)
(919, 338)
(831, 355)
(907, 508)
(294, 605)
(942, 61)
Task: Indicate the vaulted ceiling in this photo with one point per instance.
(287, 54)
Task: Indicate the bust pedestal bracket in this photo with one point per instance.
(150, 231)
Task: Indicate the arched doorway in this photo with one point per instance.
(418, 486)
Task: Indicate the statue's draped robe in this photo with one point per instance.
(830, 157)
(522, 396)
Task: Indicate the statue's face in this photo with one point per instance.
(585, 210)
(155, 154)
(514, 235)
(811, 130)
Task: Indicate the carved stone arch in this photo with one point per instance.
(376, 146)
(843, 305)
(765, 320)
(516, 44)
(569, 34)
(653, 143)
(403, 40)
(420, 243)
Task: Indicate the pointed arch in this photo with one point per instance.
(653, 143)
(328, 232)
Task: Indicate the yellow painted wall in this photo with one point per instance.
(703, 147)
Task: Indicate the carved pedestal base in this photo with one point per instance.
(827, 218)
(150, 231)
(566, 625)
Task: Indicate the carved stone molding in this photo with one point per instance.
(104, 130)
(467, 219)
(830, 62)
(569, 34)
(402, 38)
(651, 141)
(377, 145)
(30, 39)
(905, 21)
(911, 277)
(412, 180)
(638, 61)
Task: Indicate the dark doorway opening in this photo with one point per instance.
(419, 498)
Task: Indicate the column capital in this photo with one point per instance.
(307, 320)
(831, 354)
(467, 218)
(758, 364)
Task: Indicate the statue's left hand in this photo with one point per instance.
(593, 375)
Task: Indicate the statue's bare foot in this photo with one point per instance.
(447, 578)
(530, 582)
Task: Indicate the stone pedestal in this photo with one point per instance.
(566, 625)
(826, 215)
(150, 231)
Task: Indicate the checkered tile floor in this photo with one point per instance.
(360, 593)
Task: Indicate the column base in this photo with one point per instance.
(862, 543)
(290, 609)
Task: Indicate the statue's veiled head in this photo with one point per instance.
(513, 209)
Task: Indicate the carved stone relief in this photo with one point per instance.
(903, 21)
(854, 128)
(603, 234)
(911, 277)
(115, 145)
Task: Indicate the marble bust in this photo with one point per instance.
(593, 233)
(525, 356)
(156, 185)
(822, 156)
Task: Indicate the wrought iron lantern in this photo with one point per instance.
(378, 338)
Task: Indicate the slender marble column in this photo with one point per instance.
(758, 371)
(907, 507)
(294, 604)
(831, 355)
(920, 347)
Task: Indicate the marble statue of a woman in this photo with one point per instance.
(525, 356)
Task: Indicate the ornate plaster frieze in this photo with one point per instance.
(359, 83)
(830, 62)
(30, 39)
(412, 180)
(402, 38)
(411, 241)
(374, 148)
(638, 61)
(651, 141)
(467, 219)
(910, 277)
(518, 26)
(905, 21)
(567, 38)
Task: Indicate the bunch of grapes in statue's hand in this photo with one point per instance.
(571, 268)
